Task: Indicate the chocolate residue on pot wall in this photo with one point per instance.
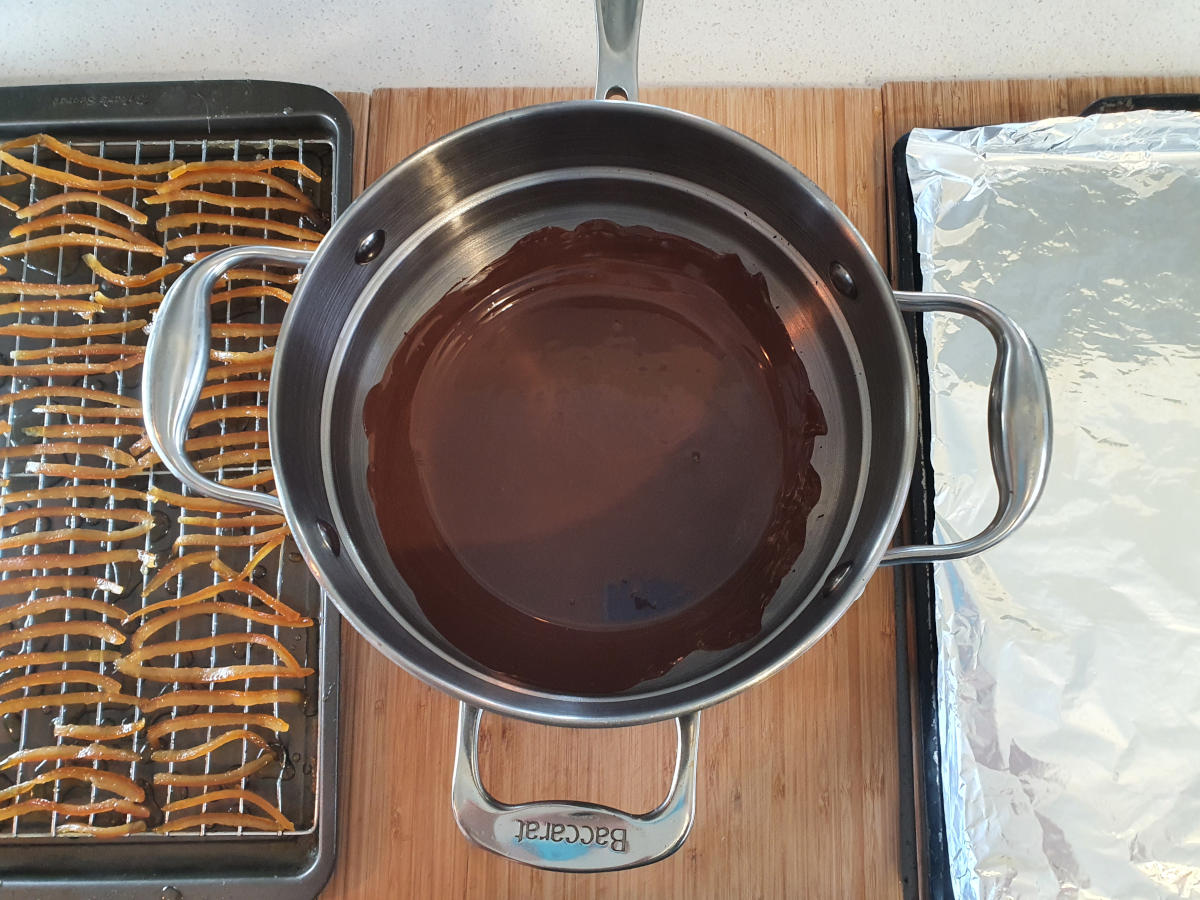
(594, 457)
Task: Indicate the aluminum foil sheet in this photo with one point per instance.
(1069, 677)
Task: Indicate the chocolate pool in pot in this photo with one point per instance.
(594, 457)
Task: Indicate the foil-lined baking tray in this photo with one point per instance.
(1068, 709)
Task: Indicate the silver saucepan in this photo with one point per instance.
(453, 207)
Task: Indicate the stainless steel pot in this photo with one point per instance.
(450, 209)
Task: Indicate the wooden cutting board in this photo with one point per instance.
(358, 106)
(798, 793)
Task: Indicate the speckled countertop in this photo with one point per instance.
(374, 43)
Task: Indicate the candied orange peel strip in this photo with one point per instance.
(254, 478)
(112, 454)
(234, 357)
(57, 201)
(66, 752)
(227, 540)
(232, 795)
(189, 753)
(56, 658)
(259, 290)
(264, 275)
(216, 779)
(100, 329)
(245, 165)
(188, 220)
(174, 567)
(235, 201)
(130, 301)
(143, 521)
(66, 151)
(204, 416)
(208, 642)
(85, 309)
(112, 782)
(68, 351)
(83, 220)
(63, 390)
(277, 606)
(248, 386)
(79, 239)
(86, 430)
(215, 176)
(99, 630)
(75, 698)
(214, 608)
(73, 829)
(39, 605)
(72, 370)
(45, 289)
(228, 820)
(245, 329)
(72, 492)
(70, 179)
(44, 561)
(17, 587)
(233, 370)
(58, 677)
(243, 699)
(258, 520)
(33, 805)
(159, 730)
(129, 281)
(100, 732)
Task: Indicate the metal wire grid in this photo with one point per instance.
(294, 796)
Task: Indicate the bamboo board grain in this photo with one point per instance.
(798, 793)
(358, 106)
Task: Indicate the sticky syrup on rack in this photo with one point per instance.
(594, 457)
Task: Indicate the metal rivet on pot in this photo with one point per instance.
(171, 893)
(369, 247)
(330, 537)
(836, 577)
(843, 281)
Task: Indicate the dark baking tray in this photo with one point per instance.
(209, 866)
(1129, 102)
(926, 862)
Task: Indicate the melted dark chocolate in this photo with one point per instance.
(594, 457)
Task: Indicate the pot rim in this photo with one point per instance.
(773, 650)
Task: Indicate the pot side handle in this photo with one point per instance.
(177, 360)
(572, 836)
(1019, 425)
(618, 23)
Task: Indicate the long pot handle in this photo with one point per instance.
(177, 359)
(618, 23)
(1019, 427)
(572, 836)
